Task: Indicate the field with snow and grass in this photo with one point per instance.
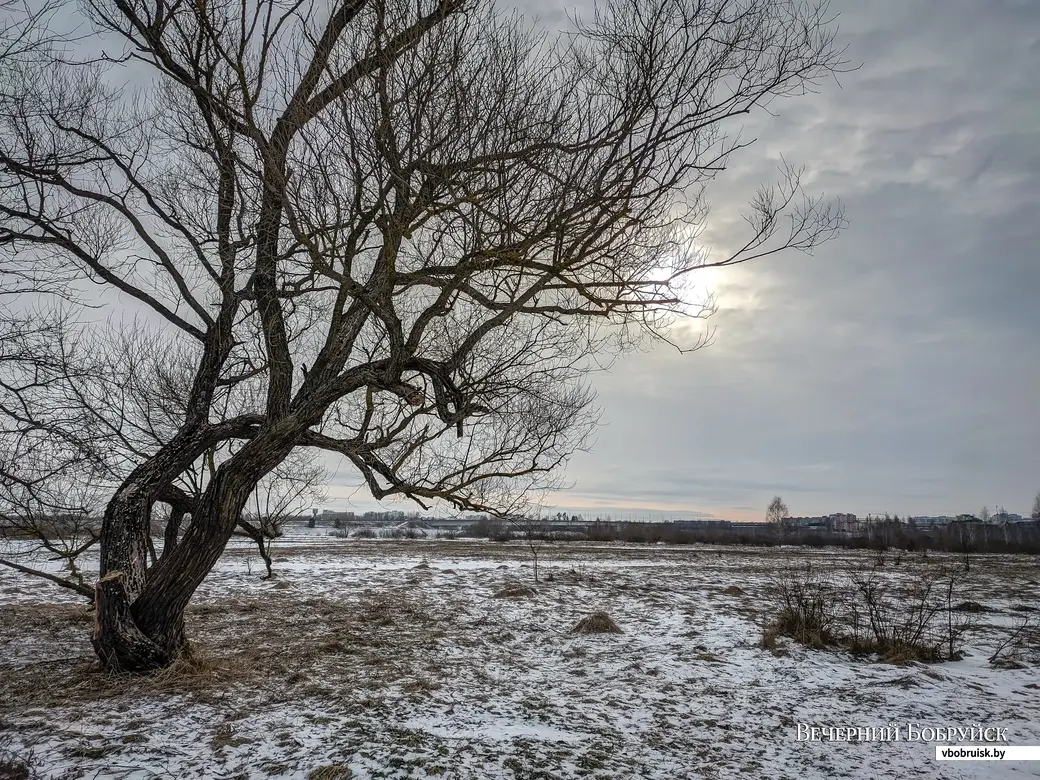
(434, 658)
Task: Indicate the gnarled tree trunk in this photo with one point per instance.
(140, 612)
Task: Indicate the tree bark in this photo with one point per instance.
(121, 640)
(144, 631)
(173, 529)
(119, 643)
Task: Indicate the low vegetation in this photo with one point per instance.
(912, 617)
(596, 623)
(402, 659)
(967, 539)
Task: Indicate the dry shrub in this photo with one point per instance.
(971, 606)
(912, 622)
(515, 592)
(596, 623)
(733, 590)
(900, 621)
(1019, 646)
(805, 608)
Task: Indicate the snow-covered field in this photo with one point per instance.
(382, 658)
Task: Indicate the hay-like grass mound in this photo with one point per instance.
(733, 590)
(597, 623)
(515, 592)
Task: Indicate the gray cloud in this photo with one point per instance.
(897, 369)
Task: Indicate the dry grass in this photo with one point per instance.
(733, 590)
(276, 646)
(331, 772)
(13, 768)
(596, 623)
(515, 592)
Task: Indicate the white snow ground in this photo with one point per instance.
(392, 659)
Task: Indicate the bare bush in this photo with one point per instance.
(910, 618)
(401, 533)
(1020, 645)
(804, 607)
(912, 623)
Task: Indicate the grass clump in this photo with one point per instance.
(970, 606)
(331, 772)
(515, 592)
(596, 623)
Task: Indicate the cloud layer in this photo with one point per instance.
(897, 369)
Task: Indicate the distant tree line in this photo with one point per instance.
(958, 537)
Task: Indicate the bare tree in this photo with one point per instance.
(1035, 514)
(776, 515)
(83, 413)
(534, 530)
(293, 485)
(402, 232)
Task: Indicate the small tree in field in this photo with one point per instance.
(292, 485)
(402, 232)
(776, 515)
(1035, 514)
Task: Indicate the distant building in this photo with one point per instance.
(843, 522)
(805, 522)
(930, 520)
(1004, 517)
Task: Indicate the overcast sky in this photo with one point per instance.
(898, 369)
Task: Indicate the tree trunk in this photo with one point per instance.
(119, 643)
(173, 529)
(257, 535)
(143, 630)
(124, 536)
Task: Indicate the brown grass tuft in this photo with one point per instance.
(14, 768)
(733, 590)
(596, 623)
(331, 772)
(515, 592)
